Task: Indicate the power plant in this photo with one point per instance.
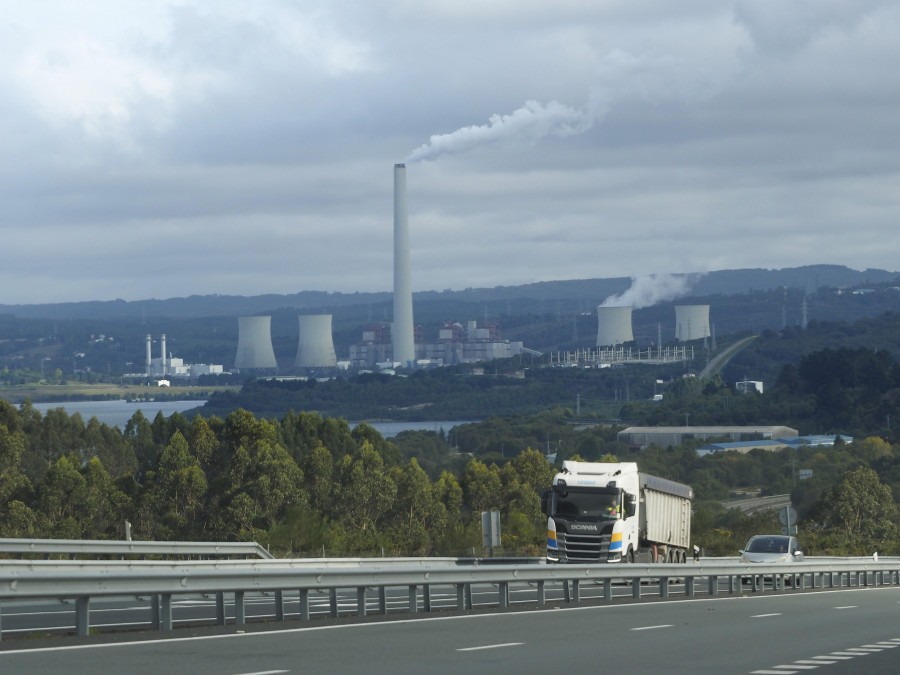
(691, 322)
(316, 346)
(402, 330)
(613, 326)
(254, 350)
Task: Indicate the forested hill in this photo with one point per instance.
(586, 293)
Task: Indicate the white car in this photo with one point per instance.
(771, 548)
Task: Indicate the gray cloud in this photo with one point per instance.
(170, 149)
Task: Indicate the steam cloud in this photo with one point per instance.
(528, 124)
(647, 291)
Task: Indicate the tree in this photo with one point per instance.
(858, 515)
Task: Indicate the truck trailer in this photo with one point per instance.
(611, 513)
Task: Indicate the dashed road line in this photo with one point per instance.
(826, 659)
(497, 646)
(664, 625)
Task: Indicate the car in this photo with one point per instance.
(771, 548)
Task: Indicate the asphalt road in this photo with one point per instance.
(834, 632)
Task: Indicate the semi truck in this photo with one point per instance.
(601, 512)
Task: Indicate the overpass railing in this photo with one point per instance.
(160, 582)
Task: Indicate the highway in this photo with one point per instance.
(833, 632)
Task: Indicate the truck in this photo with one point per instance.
(599, 512)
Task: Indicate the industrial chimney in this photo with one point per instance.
(316, 346)
(402, 328)
(613, 326)
(149, 355)
(691, 322)
(254, 350)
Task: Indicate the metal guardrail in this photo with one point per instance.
(161, 581)
(132, 549)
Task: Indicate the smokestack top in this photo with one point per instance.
(401, 165)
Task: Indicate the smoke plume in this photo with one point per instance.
(647, 291)
(529, 124)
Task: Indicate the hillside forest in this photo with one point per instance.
(304, 484)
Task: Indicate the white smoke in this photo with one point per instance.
(529, 124)
(649, 290)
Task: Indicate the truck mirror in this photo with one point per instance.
(545, 502)
(630, 505)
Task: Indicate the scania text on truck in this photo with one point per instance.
(611, 513)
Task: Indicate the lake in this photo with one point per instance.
(118, 412)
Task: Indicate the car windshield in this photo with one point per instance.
(768, 545)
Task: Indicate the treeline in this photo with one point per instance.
(304, 484)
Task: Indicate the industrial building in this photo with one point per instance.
(315, 348)
(614, 326)
(168, 366)
(641, 437)
(691, 322)
(254, 350)
(456, 343)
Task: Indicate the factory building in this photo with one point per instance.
(254, 350)
(169, 366)
(456, 343)
(315, 348)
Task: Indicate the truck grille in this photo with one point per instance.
(585, 548)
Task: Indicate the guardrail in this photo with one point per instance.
(131, 549)
(84, 581)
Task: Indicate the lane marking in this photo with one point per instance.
(497, 646)
(665, 625)
(763, 616)
(848, 607)
(847, 653)
(865, 650)
(772, 672)
(796, 664)
(813, 662)
(832, 657)
(266, 672)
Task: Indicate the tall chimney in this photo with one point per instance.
(402, 328)
(149, 356)
(162, 363)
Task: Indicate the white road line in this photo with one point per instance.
(266, 672)
(772, 672)
(814, 662)
(848, 607)
(865, 650)
(833, 657)
(665, 625)
(763, 616)
(797, 664)
(497, 646)
(847, 653)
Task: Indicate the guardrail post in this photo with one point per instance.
(240, 617)
(566, 595)
(636, 588)
(607, 589)
(426, 597)
(220, 608)
(664, 587)
(361, 601)
(689, 586)
(382, 599)
(279, 605)
(713, 582)
(154, 611)
(332, 601)
(576, 590)
(166, 612)
(541, 598)
(83, 615)
(1, 620)
(304, 604)
(467, 589)
(413, 599)
(503, 592)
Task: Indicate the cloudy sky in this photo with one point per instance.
(169, 148)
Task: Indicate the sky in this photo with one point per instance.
(172, 148)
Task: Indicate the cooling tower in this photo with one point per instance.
(254, 350)
(691, 322)
(402, 328)
(316, 347)
(613, 326)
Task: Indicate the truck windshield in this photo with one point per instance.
(586, 503)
